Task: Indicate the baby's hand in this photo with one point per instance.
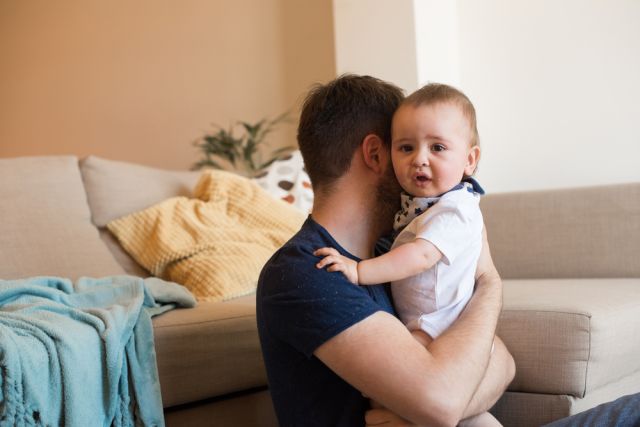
(337, 262)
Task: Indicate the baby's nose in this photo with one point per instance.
(421, 158)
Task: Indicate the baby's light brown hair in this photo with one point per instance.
(438, 93)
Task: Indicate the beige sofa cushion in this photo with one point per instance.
(571, 336)
(583, 232)
(533, 410)
(45, 226)
(207, 351)
(115, 189)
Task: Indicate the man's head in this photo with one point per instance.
(336, 118)
(435, 140)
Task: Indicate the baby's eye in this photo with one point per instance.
(405, 148)
(438, 147)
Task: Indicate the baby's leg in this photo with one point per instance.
(482, 420)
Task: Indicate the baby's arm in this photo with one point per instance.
(399, 263)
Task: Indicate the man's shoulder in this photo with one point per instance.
(294, 262)
(291, 275)
(297, 250)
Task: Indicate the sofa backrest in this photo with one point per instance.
(115, 189)
(45, 222)
(573, 233)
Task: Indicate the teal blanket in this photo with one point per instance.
(83, 354)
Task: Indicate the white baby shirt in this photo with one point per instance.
(432, 300)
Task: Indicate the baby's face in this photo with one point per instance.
(430, 148)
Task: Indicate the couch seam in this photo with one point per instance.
(548, 311)
(201, 322)
(586, 370)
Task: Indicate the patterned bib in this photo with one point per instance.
(412, 206)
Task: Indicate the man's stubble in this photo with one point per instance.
(388, 197)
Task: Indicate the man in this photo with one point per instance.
(330, 346)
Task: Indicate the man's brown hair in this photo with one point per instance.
(438, 93)
(335, 119)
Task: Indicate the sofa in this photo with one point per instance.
(569, 260)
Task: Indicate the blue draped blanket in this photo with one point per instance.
(83, 354)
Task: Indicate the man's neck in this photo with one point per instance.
(351, 220)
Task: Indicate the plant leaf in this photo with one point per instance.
(242, 152)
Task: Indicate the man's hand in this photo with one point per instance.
(337, 262)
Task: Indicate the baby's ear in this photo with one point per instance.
(473, 157)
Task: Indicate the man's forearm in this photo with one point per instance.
(466, 346)
(498, 375)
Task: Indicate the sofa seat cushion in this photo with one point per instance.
(571, 336)
(45, 226)
(208, 351)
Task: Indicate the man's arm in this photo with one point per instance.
(497, 378)
(379, 357)
(499, 374)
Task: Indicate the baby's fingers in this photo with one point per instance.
(325, 252)
(328, 260)
(336, 267)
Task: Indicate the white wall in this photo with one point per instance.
(437, 41)
(407, 42)
(557, 88)
(376, 37)
(556, 83)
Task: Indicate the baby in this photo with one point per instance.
(432, 263)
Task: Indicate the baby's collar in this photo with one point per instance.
(475, 185)
(412, 206)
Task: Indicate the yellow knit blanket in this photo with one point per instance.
(214, 244)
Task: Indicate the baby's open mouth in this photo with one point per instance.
(422, 178)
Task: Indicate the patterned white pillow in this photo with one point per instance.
(287, 179)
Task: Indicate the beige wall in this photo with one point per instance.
(139, 81)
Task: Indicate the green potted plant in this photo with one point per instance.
(222, 149)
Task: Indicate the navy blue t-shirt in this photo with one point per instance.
(299, 307)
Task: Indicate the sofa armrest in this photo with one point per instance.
(571, 336)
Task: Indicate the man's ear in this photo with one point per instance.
(374, 153)
(473, 157)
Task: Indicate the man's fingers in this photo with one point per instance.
(376, 417)
(383, 417)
